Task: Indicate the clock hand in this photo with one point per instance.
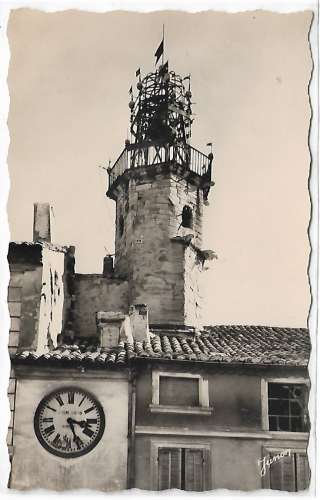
(82, 423)
(70, 422)
(76, 438)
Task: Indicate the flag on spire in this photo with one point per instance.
(164, 69)
(138, 72)
(159, 52)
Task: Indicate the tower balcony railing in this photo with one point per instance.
(183, 155)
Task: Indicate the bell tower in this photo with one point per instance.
(160, 184)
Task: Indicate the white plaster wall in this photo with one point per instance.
(51, 305)
(192, 292)
(104, 468)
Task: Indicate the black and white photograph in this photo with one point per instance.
(160, 263)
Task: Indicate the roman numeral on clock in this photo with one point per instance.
(78, 442)
(91, 421)
(56, 440)
(58, 398)
(47, 419)
(47, 406)
(71, 398)
(88, 432)
(82, 400)
(49, 430)
(89, 409)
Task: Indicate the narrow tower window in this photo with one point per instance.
(121, 225)
(186, 217)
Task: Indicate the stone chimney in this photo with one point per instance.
(113, 327)
(42, 222)
(139, 320)
(108, 269)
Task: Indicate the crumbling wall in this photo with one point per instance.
(36, 296)
(123, 228)
(182, 194)
(193, 297)
(52, 298)
(94, 293)
(14, 305)
(24, 305)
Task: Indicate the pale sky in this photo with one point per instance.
(69, 77)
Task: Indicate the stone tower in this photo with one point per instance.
(160, 184)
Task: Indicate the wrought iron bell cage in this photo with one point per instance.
(161, 112)
(160, 126)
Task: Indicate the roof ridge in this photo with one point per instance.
(241, 325)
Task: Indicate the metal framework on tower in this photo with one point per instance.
(161, 112)
(160, 129)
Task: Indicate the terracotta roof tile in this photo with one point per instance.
(220, 344)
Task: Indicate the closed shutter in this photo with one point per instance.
(282, 474)
(194, 470)
(302, 471)
(169, 467)
(183, 468)
(290, 473)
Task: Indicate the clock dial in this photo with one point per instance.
(69, 422)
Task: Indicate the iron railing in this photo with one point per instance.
(179, 154)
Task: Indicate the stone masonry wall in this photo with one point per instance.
(146, 252)
(181, 194)
(25, 288)
(95, 293)
(125, 208)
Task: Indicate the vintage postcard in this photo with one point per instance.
(159, 269)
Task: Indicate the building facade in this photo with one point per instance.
(116, 383)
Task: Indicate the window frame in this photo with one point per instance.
(183, 443)
(203, 408)
(267, 450)
(265, 402)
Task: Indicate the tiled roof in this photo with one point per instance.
(255, 345)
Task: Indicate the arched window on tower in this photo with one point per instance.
(187, 217)
(121, 225)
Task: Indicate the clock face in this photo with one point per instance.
(69, 422)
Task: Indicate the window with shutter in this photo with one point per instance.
(182, 468)
(302, 472)
(169, 460)
(194, 470)
(290, 472)
(282, 475)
